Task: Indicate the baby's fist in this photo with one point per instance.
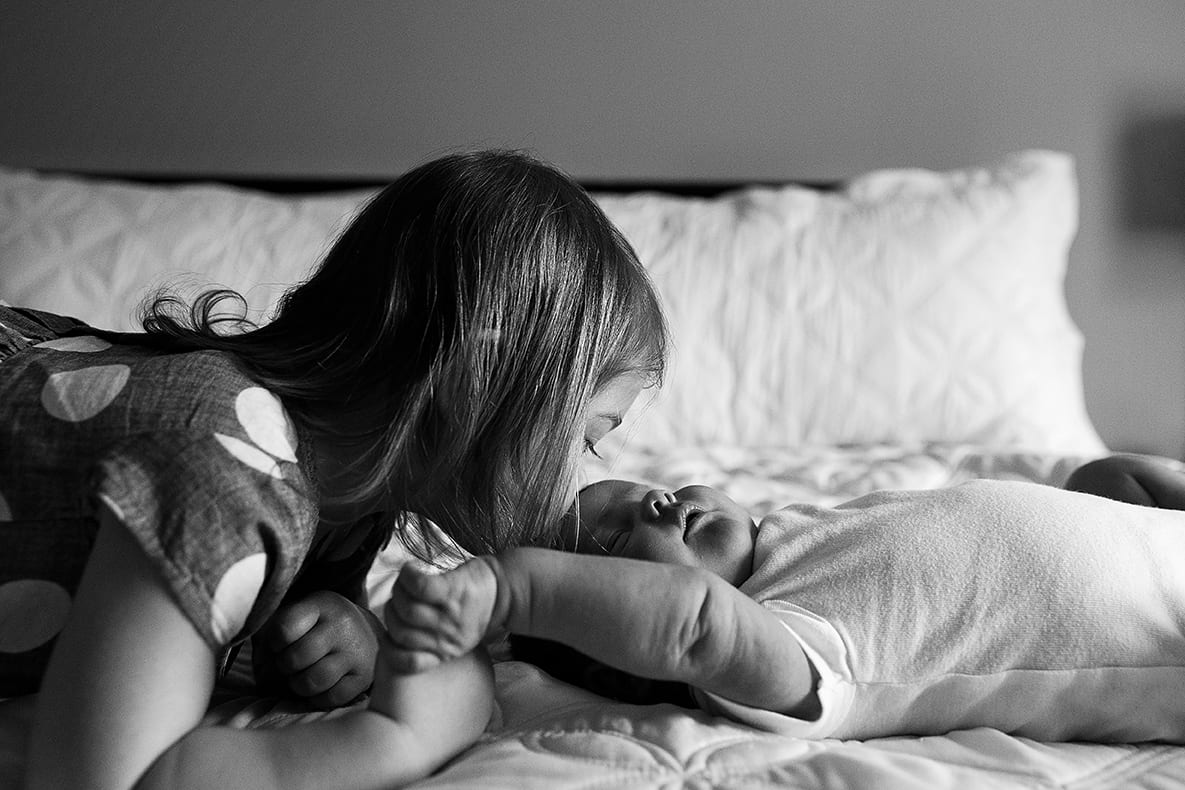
(432, 619)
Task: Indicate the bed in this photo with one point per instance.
(902, 329)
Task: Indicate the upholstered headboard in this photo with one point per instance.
(312, 185)
(899, 306)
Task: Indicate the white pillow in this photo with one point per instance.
(909, 306)
(93, 249)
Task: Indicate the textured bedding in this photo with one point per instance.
(552, 736)
(907, 330)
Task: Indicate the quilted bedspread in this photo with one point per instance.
(552, 736)
(548, 735)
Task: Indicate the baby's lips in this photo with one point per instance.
(678, 514)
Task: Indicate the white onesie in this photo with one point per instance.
(1040, 612)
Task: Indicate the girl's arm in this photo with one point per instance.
(130, 680)
(665, 622)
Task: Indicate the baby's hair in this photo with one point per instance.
(451, 339)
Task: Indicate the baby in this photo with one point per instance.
(1047, 613)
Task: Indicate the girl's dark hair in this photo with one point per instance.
(450, 341)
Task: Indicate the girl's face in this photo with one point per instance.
(608, 407)
(605, 412)
(697, 526)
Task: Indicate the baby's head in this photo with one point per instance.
(696, 525)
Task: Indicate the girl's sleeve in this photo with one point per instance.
(226, 523)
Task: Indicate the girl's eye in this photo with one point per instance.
(589, 447)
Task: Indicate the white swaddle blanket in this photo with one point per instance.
(1037, 611)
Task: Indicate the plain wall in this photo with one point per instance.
(650, 90)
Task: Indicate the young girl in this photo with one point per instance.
(166, 495)
(1041, 612)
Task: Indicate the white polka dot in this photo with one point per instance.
(85, 344)
(78, 395)
(249, 454)
(5, 510)
(32, 612)
(263, 417)
(235, 595)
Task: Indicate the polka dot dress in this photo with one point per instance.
(201, 464)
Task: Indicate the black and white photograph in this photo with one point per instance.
(559, 395)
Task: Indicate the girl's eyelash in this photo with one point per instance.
(589, 447)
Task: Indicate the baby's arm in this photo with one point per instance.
(659, 621)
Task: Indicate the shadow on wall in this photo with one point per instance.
(1150, 189)
(1153, 167)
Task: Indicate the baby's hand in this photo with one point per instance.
(325, 647)
(432, 619)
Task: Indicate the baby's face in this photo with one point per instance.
(696, 525)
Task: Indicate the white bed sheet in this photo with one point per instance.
(552, 735)
(548, 735)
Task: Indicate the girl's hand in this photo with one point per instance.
(325, 647)
(432, 619)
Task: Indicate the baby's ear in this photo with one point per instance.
(584, 541)
(567, 537)
(576, 537)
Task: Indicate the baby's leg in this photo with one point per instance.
(1131, 478)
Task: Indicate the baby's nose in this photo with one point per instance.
(655, 503)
